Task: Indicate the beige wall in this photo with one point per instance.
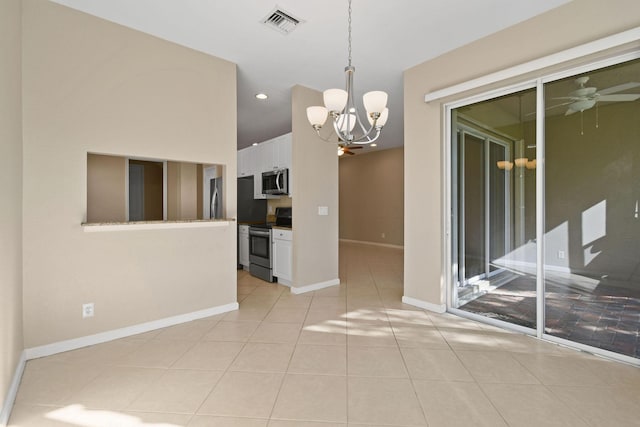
(93, 86)
(315, 183)
(189, 191)
(11, 342)
(106, 188)
(372, 196)
(182, 191)
(548, 33)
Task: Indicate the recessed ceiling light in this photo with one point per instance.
(254, 144)
(374, 145)
(261, 95)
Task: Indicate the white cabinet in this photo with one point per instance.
(282, 255)
(284, 152)
(257, 186)
(244, 164)
(266, 156)
(243, 246)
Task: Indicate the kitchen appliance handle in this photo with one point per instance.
(259, 233)
(214, 204)
(278, 180)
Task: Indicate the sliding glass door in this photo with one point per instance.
(572, 274)
(592, 234)
(495, 210)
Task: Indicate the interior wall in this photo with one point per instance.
(315, 180)
(173, 191)
(372, 196)
(188, 191)
(94, 86)
(11, 333)
(543, 35)
(106, 188)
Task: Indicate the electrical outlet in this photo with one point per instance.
(561, 254)
(87, 310)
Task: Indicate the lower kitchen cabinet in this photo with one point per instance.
(283, 255)
(243, 246)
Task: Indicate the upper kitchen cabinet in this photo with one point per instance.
(246, 164)
(267, 156)
(276, 153)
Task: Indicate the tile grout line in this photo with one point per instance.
(244, 344)
(284, 375)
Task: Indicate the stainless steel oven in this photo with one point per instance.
(260, 252)
(260, 257)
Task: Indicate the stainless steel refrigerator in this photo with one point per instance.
(215, 198)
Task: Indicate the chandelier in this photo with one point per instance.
(340, 105)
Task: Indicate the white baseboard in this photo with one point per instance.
(284, 282)
(5, 411)
(386, 245)
(314, 287)
(436, 308)
(73, 344)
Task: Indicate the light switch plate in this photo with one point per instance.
(323, 210)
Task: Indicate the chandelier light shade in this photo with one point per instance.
(521, 162)
(340, 105)
(505, 165)
(317, 116)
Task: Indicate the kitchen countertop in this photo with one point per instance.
(150, 225)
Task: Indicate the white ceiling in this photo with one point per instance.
(388, 38)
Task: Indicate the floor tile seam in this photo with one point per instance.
(22, 400)
(143, 389)
(284, 376)
(493, 382)
(389, 377)
(411, 381)
(307, 420)
(315, 374)
(226, 370)
(386, 315)
(404, 362)
(184, 353)
(575, 413)
(483, 391)
(522, 365)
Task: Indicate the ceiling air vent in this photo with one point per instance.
(281, 21)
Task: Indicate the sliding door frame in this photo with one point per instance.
(449, 220)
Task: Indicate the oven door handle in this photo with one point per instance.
(259, 233)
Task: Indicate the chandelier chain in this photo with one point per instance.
(349, 33)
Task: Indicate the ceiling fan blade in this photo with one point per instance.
(621, 97)
(349, 153)
(559, 105)
(618, 88)
(567, 97)
(355, 147)
(570, 111)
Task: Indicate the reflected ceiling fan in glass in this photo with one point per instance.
(585, 98)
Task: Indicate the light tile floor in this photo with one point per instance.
(350, 355)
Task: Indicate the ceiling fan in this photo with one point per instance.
(585, 98)
(343, 149)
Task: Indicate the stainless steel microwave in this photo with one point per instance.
(275, 182)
